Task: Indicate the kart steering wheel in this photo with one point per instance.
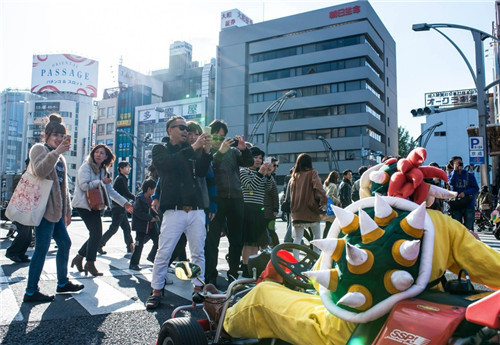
(291, 271)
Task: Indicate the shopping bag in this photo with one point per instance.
(29, 200)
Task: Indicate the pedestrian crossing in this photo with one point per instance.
(118, 290)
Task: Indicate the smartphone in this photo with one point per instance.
(67, 139)
(267, 160)
(208, 129)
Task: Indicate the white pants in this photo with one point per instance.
(174, 223)
(298, 231)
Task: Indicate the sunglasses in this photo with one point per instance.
(181, 127)
(217, 138)
(276, 165)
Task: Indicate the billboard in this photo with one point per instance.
(234, 18)
(451, 98)
(64, 73)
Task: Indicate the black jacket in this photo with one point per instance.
(178, 166)
(121, 186)
(142, 215)
(227, 171)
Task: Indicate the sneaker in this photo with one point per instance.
(24, 258)
(134, 267)
(69, 288)
(38, 297)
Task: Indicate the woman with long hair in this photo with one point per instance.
(307, 198)
(46, 161)
(92, 174)
(331, 190)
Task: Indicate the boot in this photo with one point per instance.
(90, 268)
(78, 262)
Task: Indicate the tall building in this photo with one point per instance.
(105, 126)
(340, 62)
(77, 112)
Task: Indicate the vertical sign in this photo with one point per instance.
(476, 150)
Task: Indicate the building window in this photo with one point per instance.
(388, 103)
(100, 129)
(388, 121)
(387, 81)
(110, 127)
(440, 134)
(101, 112)
(111, 111)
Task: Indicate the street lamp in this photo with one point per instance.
(478, 76)
(331, 154)
(278, 104)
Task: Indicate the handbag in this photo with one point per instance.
(97, 198)
(29, 200)
(460, 203)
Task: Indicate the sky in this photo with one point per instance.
(139, 34)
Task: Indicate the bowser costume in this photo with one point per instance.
(380, 250)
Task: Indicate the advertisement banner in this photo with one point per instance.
(64, 73)
(191, 111)
(232, 18)
(48, 107)
(450, 98)
(169, 112)
(147, 116)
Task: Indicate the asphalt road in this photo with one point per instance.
(110, 310)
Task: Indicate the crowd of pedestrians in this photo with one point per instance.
(201, 185)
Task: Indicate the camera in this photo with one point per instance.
(235, 142)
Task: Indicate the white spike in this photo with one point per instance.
(355, 256)
(327, 245)
(409, 249)
(416, 218)
(322, 277)
(401, 280)
(353, 299)
(378, 176)
(366, 224)
(441, 193)
(382, 208)
(344, 217)
(429, 200)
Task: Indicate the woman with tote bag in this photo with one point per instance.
(93, 174)
(46, 161)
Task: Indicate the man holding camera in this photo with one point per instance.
(229, 154)
(465, 184)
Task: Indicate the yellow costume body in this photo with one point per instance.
(271, 310)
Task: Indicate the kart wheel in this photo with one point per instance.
(292, 271)
(181, 331)
(497, 233)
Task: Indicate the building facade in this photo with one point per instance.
(340, 62)
(77, 112)
(105, 126)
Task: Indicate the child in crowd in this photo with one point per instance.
(143, 220)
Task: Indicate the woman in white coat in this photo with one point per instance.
(91, 174)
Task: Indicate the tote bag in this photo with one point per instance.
(29, 200)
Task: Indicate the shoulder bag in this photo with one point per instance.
(97, 197)
(29, 200)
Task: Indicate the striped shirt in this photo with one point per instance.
(254, 186)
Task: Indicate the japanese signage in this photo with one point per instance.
(168, 113)
(450, 98)
(347, 11)
(190, 111)
(48, 107)
(147, 116)
(64, 73)
(234, 18)
(476, 150)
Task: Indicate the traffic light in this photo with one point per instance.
(424, 111)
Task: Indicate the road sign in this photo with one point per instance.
(476, 150)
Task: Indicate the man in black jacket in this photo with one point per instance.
(119, 216)
(229, 155)
(181, 201)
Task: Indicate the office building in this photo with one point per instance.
(339, 62)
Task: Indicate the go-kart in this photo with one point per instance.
(458, 316)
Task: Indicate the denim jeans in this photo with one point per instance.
(464, 216)
(43, 234)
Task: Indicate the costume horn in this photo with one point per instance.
(369, 229)
(359, 261)
(406, 252)
(348, 221)
(383, 211)
(397, 280)
(327, 278)
(413, 224)
(332, 247)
